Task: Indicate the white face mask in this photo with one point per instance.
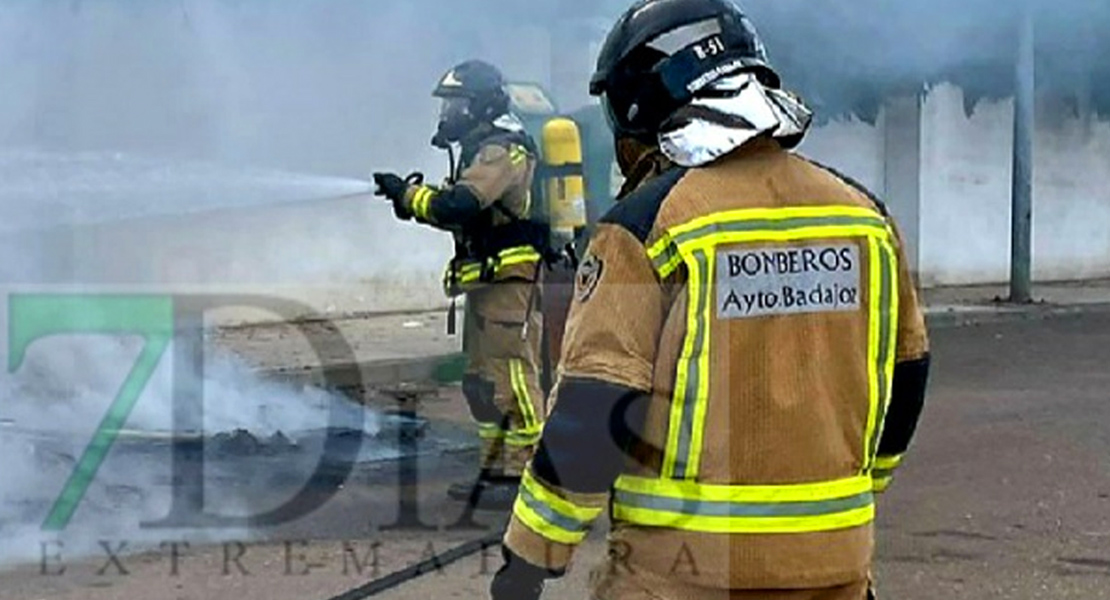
(740, 108)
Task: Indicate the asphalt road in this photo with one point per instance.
(1005, 495)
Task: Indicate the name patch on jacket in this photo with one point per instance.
(761, 282)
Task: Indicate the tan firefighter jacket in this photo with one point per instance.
(487, 209)
(743, 367)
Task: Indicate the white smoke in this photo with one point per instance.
(54, 403)
(152, 113)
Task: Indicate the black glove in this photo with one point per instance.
(517, 579)
(391, 186)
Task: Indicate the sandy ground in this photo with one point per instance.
(288, 347)
(1006, 495)
(284, 349)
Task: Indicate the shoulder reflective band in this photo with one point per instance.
(517, 155)
(764, 224)
(551, 516)
(692, 244)
(708, 508)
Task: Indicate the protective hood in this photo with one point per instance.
(727, 114)
(509, 122)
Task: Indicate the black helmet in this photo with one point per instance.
(473, 93)
(661, 52)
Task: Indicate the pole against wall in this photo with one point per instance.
(1021, 233)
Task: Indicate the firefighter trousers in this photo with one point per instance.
(609, 581)
(501, 384)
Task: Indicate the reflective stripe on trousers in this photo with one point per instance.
(528, 434)
(677, 500)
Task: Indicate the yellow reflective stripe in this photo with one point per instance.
(510, 256)
(490, 431)
(754, 225)
(471, 271)
(468, 278)
(518, 255)
(692, 490)
(675, 456)
(666, 269)
(744, 509)
(522, 441)
(776, 214)
(664, 256)
(883, 471)
(561, 505)
(882, 340)
(516, 437)
(551, 516)
(694, 243)
(873, 325)
(893, 306)
(702, 398)
(784, 235)
(533, 518)
(517, 155)
(746, 525)
(422, 202)
(660, 248)
(888, 463)
(520, 390)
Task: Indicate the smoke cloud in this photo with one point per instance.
(124, 109)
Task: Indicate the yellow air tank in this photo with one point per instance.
(565, 187)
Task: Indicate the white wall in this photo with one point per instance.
(350, 254)
(334, 257)
(965, 190)
(965, 180)
(850, 146)
(1071, 216)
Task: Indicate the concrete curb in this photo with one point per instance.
(965, 316)
(440, 368)
(448, 368)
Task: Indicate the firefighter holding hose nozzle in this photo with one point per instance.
(498, 253)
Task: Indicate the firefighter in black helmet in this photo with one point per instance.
(485, 205)
(745, 358)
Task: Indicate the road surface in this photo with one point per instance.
(1005, 495)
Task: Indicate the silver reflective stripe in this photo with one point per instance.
(693, 377)
(709, 508)
(548, 514)
(777, 225)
